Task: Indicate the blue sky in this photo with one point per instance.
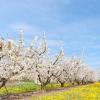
(75, 22)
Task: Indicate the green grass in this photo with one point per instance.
(27, 87)
(55, 86)
(24, 87)
(21, 88)
(90, 92)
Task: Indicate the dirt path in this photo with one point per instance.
(29, 95)
(42, 93)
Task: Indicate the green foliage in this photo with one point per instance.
(55, 86)
(21, 88)
(28, 87)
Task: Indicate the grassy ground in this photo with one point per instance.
(87, 92)
(90, 92)
(55, 86)
(20, 88)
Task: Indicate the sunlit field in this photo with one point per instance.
(84, 92)
(25, 87)
(88, 92)
(20, 88)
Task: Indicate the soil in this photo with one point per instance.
(29, 95)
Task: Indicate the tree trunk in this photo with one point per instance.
(82, 82)
(73, 83)
(62, 84)
(78, 83)
(43, 86)
(4, 81)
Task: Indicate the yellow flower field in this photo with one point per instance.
(88, 92)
